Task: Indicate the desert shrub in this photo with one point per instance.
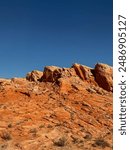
(3, 146)
(10, 125)
(60, 142)
(5, 136)
(101, 143)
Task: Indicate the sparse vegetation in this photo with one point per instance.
(3, 146)
(60, 142)
(10, 125)
(6, 136)
(101, 143)
(50, 115)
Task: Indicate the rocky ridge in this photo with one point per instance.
(59, 108)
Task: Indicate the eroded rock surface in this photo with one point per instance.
(104, 76)
(51, 73)
(35, 75)
(59, 108)
(82, 71)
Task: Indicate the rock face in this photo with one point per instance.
(35, 75)
(104, 76)
(82, 71)
(59, 108)
(51, 73)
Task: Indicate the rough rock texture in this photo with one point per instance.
(51, 73)
(62, 111)
(82, 71)
(35, 75)
(104, 76)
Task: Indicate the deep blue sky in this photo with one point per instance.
(36, 33)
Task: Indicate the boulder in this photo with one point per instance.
(82, 71)
(104, 76)
(51, 73)
(35, 75)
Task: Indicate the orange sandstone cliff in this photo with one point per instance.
(58, 109)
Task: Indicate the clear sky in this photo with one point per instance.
(36, 33)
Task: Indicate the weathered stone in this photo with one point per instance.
(104, 76)
(35, 75)
(43, 113)
(64, 85)
(51, 73)
(68, 72)
(82, 71)
(18, 80)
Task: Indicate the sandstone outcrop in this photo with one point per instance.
(104, 76)
(82, 71)
(59, 108)
(35, 75)
(101, 75)
(51, 73)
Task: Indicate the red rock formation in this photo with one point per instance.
(35, 75)
(82, 71)
(51, 73)
(63, 109)
(104, 76)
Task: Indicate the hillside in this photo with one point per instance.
(58, 109)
